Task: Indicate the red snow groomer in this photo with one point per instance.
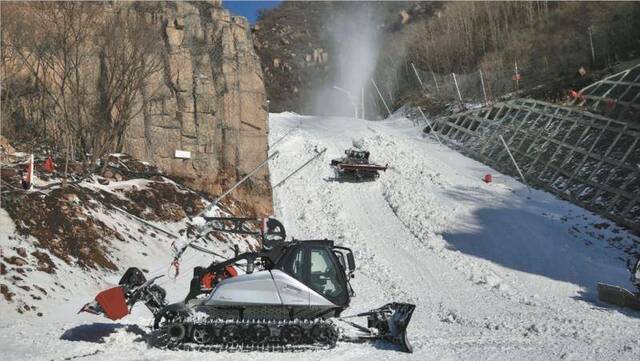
(355, 167)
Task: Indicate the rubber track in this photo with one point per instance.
(163, 340)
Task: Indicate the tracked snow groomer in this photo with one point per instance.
(291, 297)
(355, 166)
(620, 296)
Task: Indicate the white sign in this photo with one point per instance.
(182, 154)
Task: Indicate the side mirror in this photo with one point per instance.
(340, 258)
(351, 261)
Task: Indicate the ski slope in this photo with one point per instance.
(497, 272)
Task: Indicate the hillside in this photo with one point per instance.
(297, 43)
(549, 41)
(99, 225)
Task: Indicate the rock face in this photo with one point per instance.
(209, 100)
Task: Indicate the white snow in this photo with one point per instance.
(497, 272)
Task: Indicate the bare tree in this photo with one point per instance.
(130, 52)
(83, 70)
(51, 40)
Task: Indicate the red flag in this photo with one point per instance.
(49, 166)
(610, 104)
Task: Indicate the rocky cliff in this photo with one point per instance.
(209, 100)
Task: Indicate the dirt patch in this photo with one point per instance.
(8, 295)
(15, 260)
(163, 201)
(45, 264)
(61, 226)
(40, 289)
(21, 252)
(62, 220)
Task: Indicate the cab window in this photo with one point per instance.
(324, 276)
(295, 265)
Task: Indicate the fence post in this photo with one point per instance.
(381, 97)
(417, 76)
(514, 162)
(455, 81)
(516, 76)
(435, 81)
(433, 131)
(593, 52)
(362, 102)
(484, 91)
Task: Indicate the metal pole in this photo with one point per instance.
(435, 81)
(457, 88)
(514, 162)
(593, 53)
(300, 167)
(417, 76)
(433, 131)
(362, 102)
(517, 76)
(284, 136)
(381, 97)
(215, 201)
(351, 100)
(483, 89)
(129, 215)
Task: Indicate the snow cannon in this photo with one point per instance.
(620, 296)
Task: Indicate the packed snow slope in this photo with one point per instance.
(497, 271)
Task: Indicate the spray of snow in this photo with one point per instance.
(354, 40)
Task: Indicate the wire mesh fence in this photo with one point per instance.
(481, 86)
(588, 159)
(543, 74)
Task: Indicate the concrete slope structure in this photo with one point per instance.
(587, 158)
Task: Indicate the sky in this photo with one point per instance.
(249, 9)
